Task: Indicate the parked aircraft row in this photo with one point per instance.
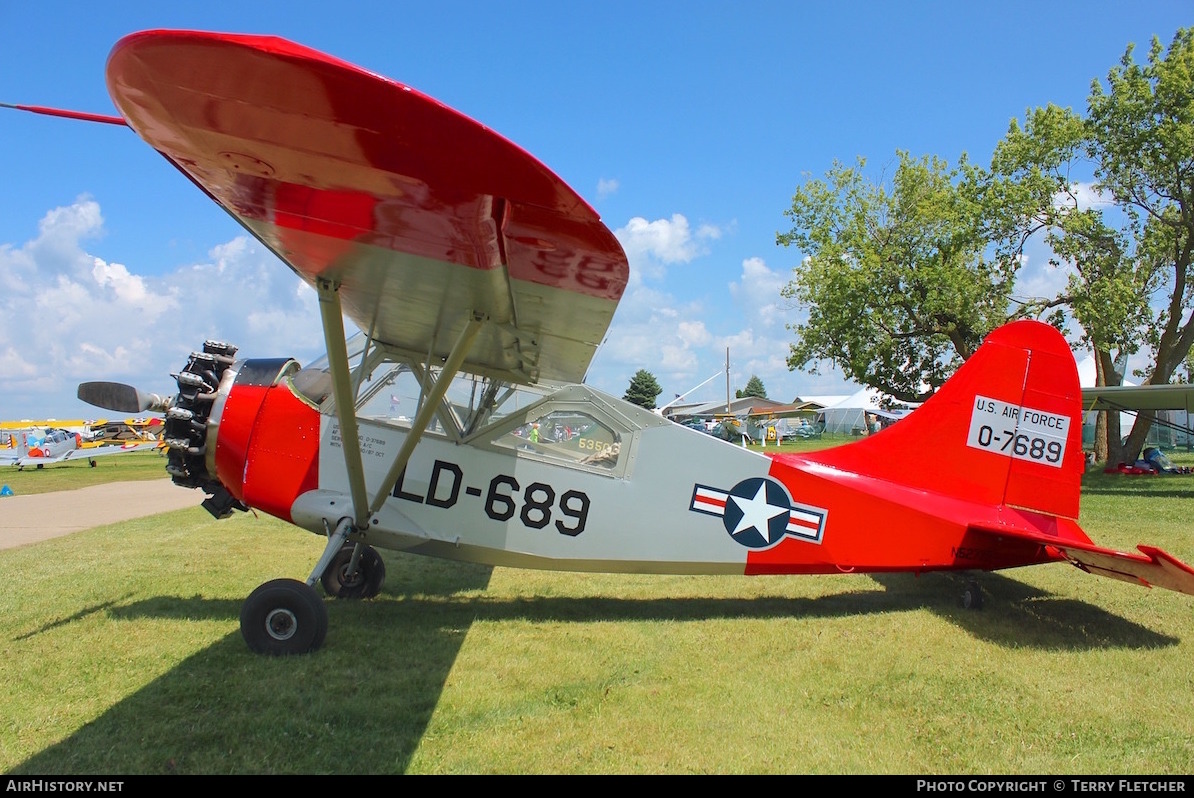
(39, 445)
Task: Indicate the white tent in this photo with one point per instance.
(1087, 378)
(848, 415)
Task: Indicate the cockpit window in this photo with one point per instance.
(389, 394)
(565, 424)
(571, 436)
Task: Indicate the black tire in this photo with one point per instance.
(972, 596)
(365, 583)
(282, 617)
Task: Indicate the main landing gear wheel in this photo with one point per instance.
(972, 596)
(283, 617)
(365, 583)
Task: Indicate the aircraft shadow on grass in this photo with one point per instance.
(1019, 616)
(406, 684)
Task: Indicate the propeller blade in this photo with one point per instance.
(122, 398)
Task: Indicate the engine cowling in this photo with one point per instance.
(243, 432)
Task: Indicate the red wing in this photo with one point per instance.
(423, 216)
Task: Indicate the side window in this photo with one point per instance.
(570, 436)
(392, 395)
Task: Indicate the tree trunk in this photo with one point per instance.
(1136, 438)
(1111, 434)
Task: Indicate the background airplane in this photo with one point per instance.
(1139, 397)
(485, 285)
(129, 430)
(1157, 399)
(46, 447)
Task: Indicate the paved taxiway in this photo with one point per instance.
(29, 519)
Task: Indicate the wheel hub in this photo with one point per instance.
(281, 624)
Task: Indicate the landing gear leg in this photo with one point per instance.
(286, 616)
(356, 572)
(348, 570)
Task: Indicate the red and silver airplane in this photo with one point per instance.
(53, 445)
(483, 286)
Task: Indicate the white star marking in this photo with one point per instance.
(757, 512)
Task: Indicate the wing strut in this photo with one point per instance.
(346, 411)
(430, 406)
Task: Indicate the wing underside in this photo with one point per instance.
(421, 218)
(1139, 397)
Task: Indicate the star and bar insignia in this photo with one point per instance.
(758, 512)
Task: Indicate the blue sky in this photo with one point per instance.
(687, 125)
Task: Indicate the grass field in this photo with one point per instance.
(80, 474)
(122, 655)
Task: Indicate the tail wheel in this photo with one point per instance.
(365, 582)
(972, 596)
(284, 617)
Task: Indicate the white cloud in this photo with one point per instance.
(1037, 278)
(650, 246)
(1087, 196)
(684, 342)
(694, 333)
(72, 316)
(757, 293)
(14, 366)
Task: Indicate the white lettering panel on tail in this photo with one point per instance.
(1018, 431)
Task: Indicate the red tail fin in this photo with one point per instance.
(1005, 429)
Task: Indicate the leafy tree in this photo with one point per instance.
(754, 387)
(901, 283)
(1130, 256)
(896, 281)
(643, 390)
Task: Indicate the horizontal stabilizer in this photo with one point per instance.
(1152, 568)
(1065, 541)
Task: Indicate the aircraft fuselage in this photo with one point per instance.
(669, 500)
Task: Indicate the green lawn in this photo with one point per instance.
(122, 655)
(80, 474)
